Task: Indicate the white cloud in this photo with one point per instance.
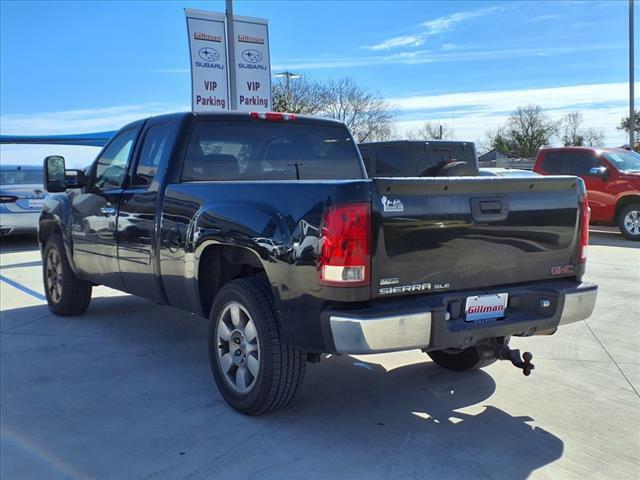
(442, 24)
(429, 56)
(430, 28)
(81, 121)
(402, 41)
(471, 114)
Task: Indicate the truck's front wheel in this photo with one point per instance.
(629, 221)
(255, 369)
(66, 294)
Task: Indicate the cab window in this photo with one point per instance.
(558, 163)
(111, 166)
(582, 164)
(153, 150)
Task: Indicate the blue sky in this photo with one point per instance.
(84, 66)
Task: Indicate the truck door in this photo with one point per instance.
(94, 212)
(600, 201)
(138, 215)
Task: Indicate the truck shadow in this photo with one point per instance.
(353, 418)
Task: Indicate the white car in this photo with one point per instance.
(21, 198)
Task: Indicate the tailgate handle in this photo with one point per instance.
(489, 209)
(492, 206)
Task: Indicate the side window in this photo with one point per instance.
(112, 163)
(153, 150)
(558, 163)
(390, 160)
(583, 162)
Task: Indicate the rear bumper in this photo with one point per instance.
(436, 322)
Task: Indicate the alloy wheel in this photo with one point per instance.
(238, 348)
(632, 222)
(54, 275)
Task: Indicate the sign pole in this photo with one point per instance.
(632, 111)
(233, 88)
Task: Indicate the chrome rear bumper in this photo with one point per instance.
(359, 334)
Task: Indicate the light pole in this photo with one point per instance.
(632, 111)
(287, 75)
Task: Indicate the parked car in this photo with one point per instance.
(419, 158)
(612, 178)
(21, 198)
(176, 209)
(506, 172)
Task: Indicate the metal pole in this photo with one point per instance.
(233, 90)
(632, 111)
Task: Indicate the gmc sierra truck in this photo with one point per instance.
(267, 224)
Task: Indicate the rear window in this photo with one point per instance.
(391, 161)
(557, 162)
(20, 177)
(435, 155)
(241, 150)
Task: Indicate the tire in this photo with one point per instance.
(457, 169)
(629, 221)
(66, 294)
(470, 358)
(243, 319)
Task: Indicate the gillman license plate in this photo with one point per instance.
(485, 308)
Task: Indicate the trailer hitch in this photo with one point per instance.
(503, 352)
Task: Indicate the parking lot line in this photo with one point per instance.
(22, 288)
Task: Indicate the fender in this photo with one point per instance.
(56, 213)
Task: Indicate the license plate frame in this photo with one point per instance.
(485, 308)
(36, 203)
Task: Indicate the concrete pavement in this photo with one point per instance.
(124, 392)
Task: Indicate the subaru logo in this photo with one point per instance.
(252, 56)
(209, 54)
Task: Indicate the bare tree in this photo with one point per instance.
(366, 113)
(527, 129)
(302, 95)
(430, 131)
(573, 133)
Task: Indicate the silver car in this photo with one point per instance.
(21, 198)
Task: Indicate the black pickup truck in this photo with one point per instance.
(268, 225)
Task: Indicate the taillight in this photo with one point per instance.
(273, 116)
(585, 213)
(7, 198)
(345, 237)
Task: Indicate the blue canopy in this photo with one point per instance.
(98, 139)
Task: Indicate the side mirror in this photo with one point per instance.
(601, 172)
(54, 174)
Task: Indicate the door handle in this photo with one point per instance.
(107, 211)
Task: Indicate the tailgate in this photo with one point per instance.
(460, 233)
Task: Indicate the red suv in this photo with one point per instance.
(612, 178)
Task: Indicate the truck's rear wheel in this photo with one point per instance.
(66, 294)
(255, 369)
(629, 221)
(470, 358)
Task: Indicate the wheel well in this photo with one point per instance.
(623, 203)
(220, 264)
(46, 229)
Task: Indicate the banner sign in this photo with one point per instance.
(209, 65)
(213, 80)
(252, 64)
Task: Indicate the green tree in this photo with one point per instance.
(525, 132)
(624, 125)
